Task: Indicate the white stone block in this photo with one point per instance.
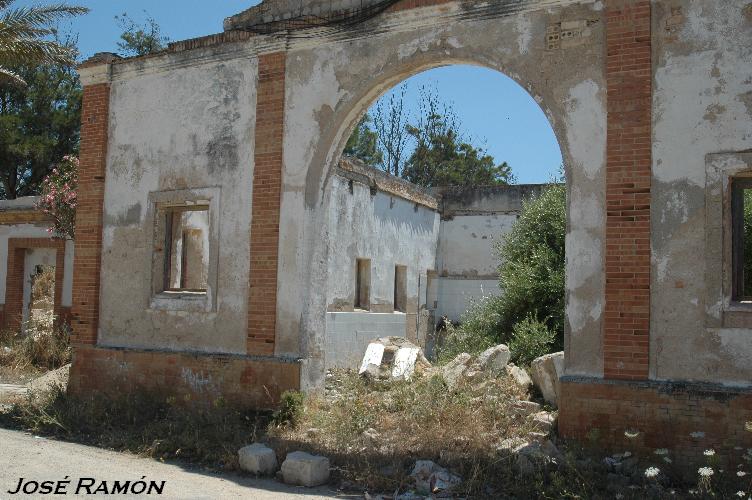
(304, 469)
(258, 459)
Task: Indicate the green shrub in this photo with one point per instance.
(476, 333)
(531, 273)
(290, 408)
(531, 338)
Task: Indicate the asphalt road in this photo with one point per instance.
(39, 459)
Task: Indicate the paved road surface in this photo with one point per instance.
(23, 455)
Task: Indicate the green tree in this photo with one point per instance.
(27, 38)
(39, 125)
(531, 273)
(140, 39)
(362, 143)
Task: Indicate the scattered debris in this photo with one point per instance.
(432, 478)
(544, 421)
(494, 359)
(545, 372)
(520, 377)
(457, 369)
(55, 378)
(258, 459)
(304, 469)
(392, 358)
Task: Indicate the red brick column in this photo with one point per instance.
(267, 189)
(628, 178)
(16, 277)
(89, 213)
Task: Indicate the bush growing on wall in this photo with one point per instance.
(529, 314)
(531, 274)
(58, 198)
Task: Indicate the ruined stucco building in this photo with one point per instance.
(25, 245)
(651, 101)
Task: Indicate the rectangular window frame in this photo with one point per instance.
(167, 210)
(725, 172)
(160, 203)
(738, 186)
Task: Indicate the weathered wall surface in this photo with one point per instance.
(390, 231)
(327, 94)
(178, 122)
(702, 105)
(473, 220)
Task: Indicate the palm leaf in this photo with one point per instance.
(9, 77)
(22, 31)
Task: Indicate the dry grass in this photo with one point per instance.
(142, 423)
(375, 432)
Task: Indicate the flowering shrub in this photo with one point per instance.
(58, 199)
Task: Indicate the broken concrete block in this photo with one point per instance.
(432, 478)
(392, 358)
(519, 376)
(494, 359)
(544, 421)
(454, 371)
(258, 459)
(304, 469)
(525, 408)
(546, 372)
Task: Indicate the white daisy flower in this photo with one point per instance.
(651, 472)
(740, 494)
(709, 453)
(705, 471)
(741, 473)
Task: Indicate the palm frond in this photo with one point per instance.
(33, 51)
(9, 77)
(22, 33)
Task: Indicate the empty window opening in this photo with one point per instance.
(42, 298)
(363, 284)
(741, 220)
(187, 249)
(400, 288)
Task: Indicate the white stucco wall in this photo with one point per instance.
(466, 244)
(181, 122)
(390, 231)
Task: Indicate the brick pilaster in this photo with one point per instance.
(267, 188)
(628, 179)
(90, 209)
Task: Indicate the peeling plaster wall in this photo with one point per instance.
(178, 122)
(389, 231)
(386, 229)
(327, 93)
(702, 105)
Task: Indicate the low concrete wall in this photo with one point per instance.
(348, 335)
(241, 380)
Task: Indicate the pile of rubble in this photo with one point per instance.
(394, 359)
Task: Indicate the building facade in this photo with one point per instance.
(650, 102)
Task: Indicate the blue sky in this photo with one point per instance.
(495, 112)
